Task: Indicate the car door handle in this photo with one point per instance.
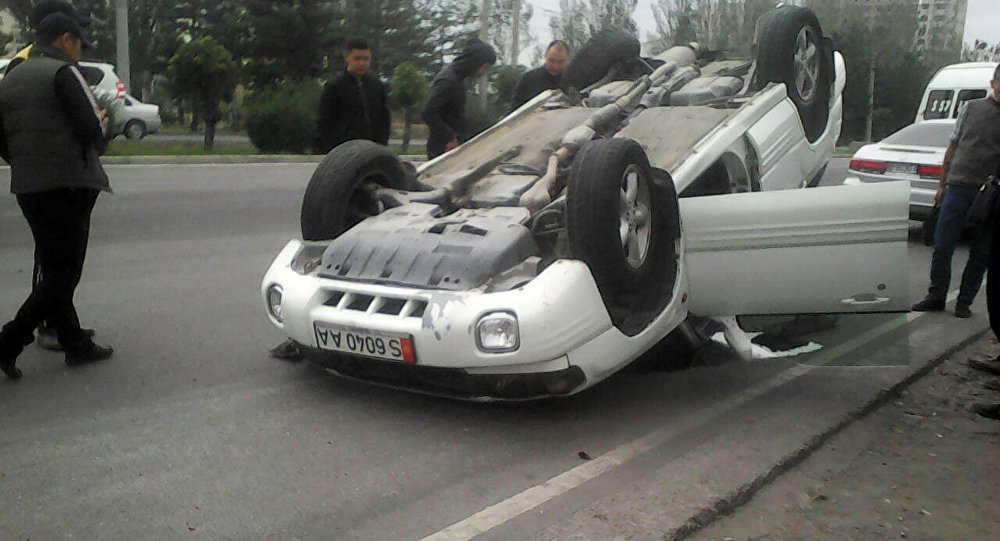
(865, 299)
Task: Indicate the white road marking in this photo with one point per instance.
(529, 499)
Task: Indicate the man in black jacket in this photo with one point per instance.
(50, 131)
(444, 112)
(353, 105)
(534, 82)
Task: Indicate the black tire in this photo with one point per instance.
(805, 66)
(134, 130)
(597, 56)
(336, 197)
(635, 289)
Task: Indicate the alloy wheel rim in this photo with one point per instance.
(634, 224)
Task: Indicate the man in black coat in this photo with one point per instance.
(50, 133)
(353, 105)
(444, 112)
(547, 77)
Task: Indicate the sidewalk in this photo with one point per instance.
(921, 467)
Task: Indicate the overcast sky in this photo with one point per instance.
(982, 21)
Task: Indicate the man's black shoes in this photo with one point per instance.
(8, 368)
(990, 366)
(48, 339)
(90, 354)
(928, 305)
(962, 311)
(990, 411)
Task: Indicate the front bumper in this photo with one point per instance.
(451, 382)
(567, 340)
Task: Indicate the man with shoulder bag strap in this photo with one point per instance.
(50, 132)
(973, 155)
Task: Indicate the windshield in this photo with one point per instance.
(923, 134)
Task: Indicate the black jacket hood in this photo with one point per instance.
(476, 54)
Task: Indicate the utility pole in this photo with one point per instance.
(870, 116)
(484, 35)
(121, 43)
(515, 48)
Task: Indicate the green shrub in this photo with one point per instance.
(283, 119)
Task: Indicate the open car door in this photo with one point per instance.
(817, 250)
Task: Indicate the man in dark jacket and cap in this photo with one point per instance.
(444, 112)
(50, 131)
(353, 105)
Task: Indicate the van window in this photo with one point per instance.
(966, 95)
(93, 75)
(938, 104)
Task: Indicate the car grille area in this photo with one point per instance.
(376, 304)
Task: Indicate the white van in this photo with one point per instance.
(951, 87)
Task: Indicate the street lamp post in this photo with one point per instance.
(121, 43)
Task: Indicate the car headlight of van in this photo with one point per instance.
(274, 294)
(497, 332)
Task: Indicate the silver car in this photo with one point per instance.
(133, 119)
(914, 154)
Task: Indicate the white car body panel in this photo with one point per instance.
(735, 245)
(823, 250)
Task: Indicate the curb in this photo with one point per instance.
(732, 501)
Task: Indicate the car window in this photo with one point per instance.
(93, 75)
(966, 95)
(938, 104)
(128, 102)
(928, 135)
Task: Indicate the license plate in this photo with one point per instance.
(901, 168)
(380, 345)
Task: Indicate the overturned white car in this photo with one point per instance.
(555, 248)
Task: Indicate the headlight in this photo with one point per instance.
(274, 302)
(497, 333)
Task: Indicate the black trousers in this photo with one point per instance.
(993, 279)
(60, 224)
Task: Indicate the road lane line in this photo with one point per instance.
(533, 497)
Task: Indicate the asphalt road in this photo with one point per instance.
(191, 431)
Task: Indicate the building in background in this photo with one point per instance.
(940, 25)
(7, 31)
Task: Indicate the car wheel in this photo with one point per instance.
(790, 50)
(341, 192)
(622, 220)
(135, 130)
(593, 61)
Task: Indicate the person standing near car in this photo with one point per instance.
(50, 130)
(973, 155)
(547, 77)
(354, 104)
(444, 111)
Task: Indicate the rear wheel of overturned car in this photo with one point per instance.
(791, 50)
(622, 220)
(342, 190)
